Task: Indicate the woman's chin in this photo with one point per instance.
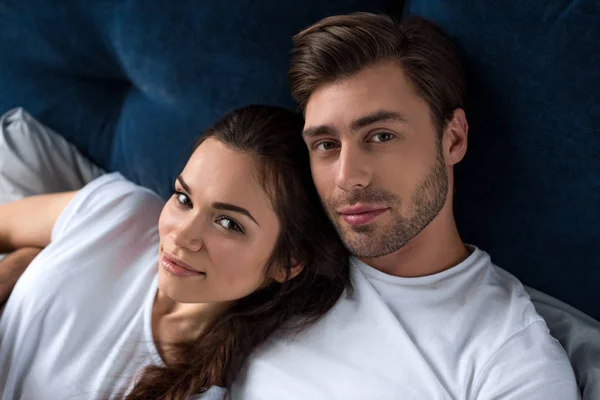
(181, 290)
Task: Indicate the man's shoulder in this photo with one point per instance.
(506, 302)
(506, 331)
(496, 306)
(477, 302)
(530, 364)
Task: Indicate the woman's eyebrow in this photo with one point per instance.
(184, 185)
(219, 205)
(234, 208)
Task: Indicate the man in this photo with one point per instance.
(429, 317)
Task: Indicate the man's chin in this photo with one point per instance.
(372, 229)
(364, 253)
(362, 246)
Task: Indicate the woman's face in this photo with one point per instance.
(217, 231)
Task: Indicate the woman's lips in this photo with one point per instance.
(177, 267)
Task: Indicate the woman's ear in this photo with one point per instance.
(280, 276)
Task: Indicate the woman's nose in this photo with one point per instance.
(187, 236)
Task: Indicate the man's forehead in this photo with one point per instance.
(343, 103)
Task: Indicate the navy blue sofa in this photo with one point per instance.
(132, 83)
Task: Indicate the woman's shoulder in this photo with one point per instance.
(115, 184)
(110, 199)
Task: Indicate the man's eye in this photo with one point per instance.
(183, 199)
(382, 137)
(325, 146)
(229, 224)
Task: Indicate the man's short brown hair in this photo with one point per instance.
(340, 46)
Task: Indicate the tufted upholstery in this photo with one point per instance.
(132, 83)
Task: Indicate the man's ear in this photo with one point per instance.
(455, 139)
(280, 275)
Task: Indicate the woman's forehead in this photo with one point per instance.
(219, 173)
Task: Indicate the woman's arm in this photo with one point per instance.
(12, 267)
(28, 222)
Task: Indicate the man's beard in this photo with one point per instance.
(370, 241)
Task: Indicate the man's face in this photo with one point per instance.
(376, 159)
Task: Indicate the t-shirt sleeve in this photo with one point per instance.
(530, 365)
(110, 197)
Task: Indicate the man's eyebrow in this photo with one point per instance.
(184, 185)
(378, 116)
(233, 208)
(321, 130)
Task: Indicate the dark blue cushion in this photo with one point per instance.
(529, 188)
(133, 83)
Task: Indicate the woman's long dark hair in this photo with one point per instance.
(273, 136)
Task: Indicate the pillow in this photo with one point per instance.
(36, 160)
(134, 83)
(579, 335)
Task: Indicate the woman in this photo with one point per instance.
(244, 249)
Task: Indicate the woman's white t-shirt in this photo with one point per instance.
(78, 323)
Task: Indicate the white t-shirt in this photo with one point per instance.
(78, 322)
(470, 332)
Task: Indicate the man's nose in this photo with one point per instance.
(354, 171)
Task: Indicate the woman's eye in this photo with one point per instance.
(382, 137)
(230, 224)
(325, 146)
(183, 199)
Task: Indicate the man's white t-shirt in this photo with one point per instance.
(470, 332)
(78, 322)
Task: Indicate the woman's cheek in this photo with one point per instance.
(166, 220)
(238, 268)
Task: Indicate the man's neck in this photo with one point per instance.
(437, 248)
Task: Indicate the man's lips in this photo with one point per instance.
(361, 214)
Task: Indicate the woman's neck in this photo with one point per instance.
(174, 322)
